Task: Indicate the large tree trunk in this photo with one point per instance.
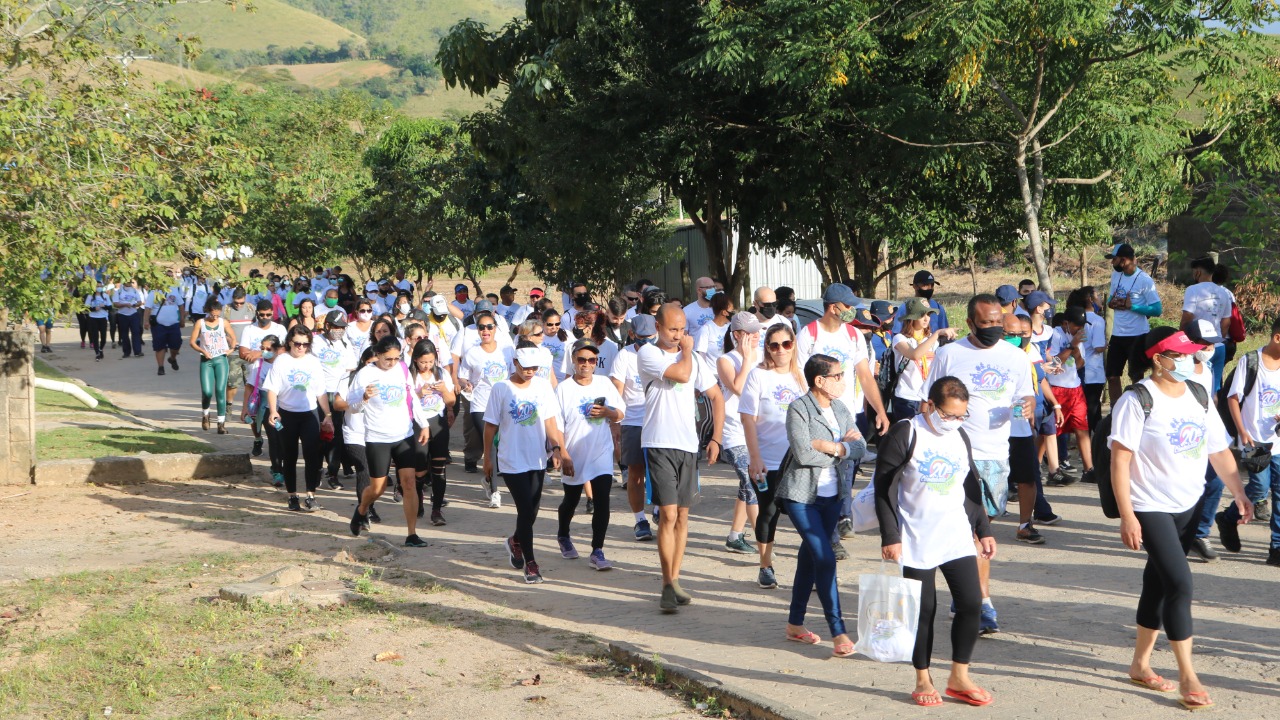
(837, 265)
(866, 255)
(1031, 212)
(711, 224)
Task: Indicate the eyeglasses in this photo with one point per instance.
(784, 345)
(586, 360)
(487, 326)
(947, 416)
(835, 376)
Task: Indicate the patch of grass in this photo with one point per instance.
(147, 648)
(272, 23)
(74, 442)
(53, 401)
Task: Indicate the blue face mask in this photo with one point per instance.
(268, 354)
(709, 293)
(647, 340)
(1184, 368)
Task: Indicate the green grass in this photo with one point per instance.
(419, 24)
(137, 641)
(272, 23)
(443, 102)
(65, 443)
(54, 401)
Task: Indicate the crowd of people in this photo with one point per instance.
(950, 425)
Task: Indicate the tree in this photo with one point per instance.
(96, 170)
(1085, 95)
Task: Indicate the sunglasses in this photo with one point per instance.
(586, 360)
(302, 345)
(551, 324)
(537, 334)
(784, 345)
(487, 326)
(632, 300)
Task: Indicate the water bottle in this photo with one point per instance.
(279, 426)
(762, 483)
(1016, 409)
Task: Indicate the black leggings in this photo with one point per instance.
(438, 453)
(1166, 581)
(600, 487)
(355, 458)
(333, 450)
(97, 333)
(767, 521)
(1093, 402)
(304, 427)
(961, 575)
(526, 493)
(82, 321)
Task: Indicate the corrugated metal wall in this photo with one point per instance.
(765, 268)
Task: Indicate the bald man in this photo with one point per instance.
(699, 313)
(670, 372)
(766, 311)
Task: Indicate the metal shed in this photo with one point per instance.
(766, 267)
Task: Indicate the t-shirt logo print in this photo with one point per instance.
(839, 354)
(1269, 399)
(328, 356)
(1187, 437)
(432, 403)
(390, 394)
(585, 406)
(298, 379)
(937, 472)
(784, 396)
(493, 370)
(989, 380)
(523, 412)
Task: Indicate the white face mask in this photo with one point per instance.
(1204, 356)
(404, 308)
(944, 426)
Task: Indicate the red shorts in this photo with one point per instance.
(1075, 413)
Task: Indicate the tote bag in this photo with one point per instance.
(888, 615)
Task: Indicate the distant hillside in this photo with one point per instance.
(416, 24)
(158, 72)
(272, 23)
(332, 75)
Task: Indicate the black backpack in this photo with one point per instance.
(1102, 453)
(888, 374)
(1250, 378)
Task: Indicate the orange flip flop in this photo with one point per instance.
(971, 697)
(808, 638)
(1155, 682)
(1194, 701)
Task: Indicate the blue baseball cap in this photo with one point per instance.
(1007, 294)
(839, 293)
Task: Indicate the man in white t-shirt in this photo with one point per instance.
(524, 312)
(1255, 408)
(625, 375)
(1067, 347)
(128, 302)
(699, 313)
(1134, 299)
(671, 373)
(1207, 300)
(766, 311)
(999, 380)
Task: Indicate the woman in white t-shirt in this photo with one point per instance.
(360, 327)
(382, 393)
(770, 389)
(254, 409)
(929, 503)
(531, 330)
(295, 388)
(434, 394)
(913, 350)
(710, 340)
(479, 369)
(589, 406)
(1157, 470)
(99, 305)
(554, 340)
(737, 359)
(353, 435)
(525, 411)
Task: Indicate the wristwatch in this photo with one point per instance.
(555, 448)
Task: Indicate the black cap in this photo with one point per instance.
(1075, 316)
(336, 318)
(924, 277)
(1121, 250)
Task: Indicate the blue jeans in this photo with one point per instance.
(1256, 489)
(816, 565)
(130, 333)
(1209, 502)
(1217, 364)
(904, 409)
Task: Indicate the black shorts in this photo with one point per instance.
(1120, 350)
(1024, 467)
(380, 455)
(438, 445)
(672, 476)
(632, 453)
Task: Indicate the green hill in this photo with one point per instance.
(417, 25)
(272, 23)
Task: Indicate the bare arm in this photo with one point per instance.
(1130, 530)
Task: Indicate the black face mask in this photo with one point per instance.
(768, 310)
(987, 336)
(926, 294)
(1117, 267)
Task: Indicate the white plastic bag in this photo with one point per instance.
(864, 509)
(888, 615)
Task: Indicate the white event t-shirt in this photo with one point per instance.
(388, 415)
(695, 316)
(934, 526)
(732, 435)
(911, 380)
(484, 370)
(996, 377)
(297, 382)
(670, 412)
(1208, 301)
(588, 441)
(1094, 349)
(432, 404)
(337, 358)
(846, 345)
(1258, 411)
(1141, 290)
(520, 413)
(1070, 375)
(710, 341)
(626, 370)
(766, 397)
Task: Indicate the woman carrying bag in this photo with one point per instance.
(822, 434)
(929, 502)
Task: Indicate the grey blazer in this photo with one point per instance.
(803, 466)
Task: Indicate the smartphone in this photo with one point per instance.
(599, 402)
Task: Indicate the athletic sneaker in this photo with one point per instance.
(257, 448)
(1066, 466)
(1228, 533)
(1273, 557)
(739, 545)
(591, 506)
(495, 500)
(1203, 550)
(531, 574)
(295, 504)
(310, 504)
(437, 518)
(667, 603)
(422, 507)
(159, 370)
(766, 578)
(1059, 479)
(358, 521)
(1029, 535)
(173, 363)
(644, 531)
(1049, 521)
(415, 541)
(396, 495)
(987, 624)
(845, 527)
(514, 553)
(1090, 476)
(470, 466)
(277, 479)
(1262, 510)
(373, 515)
(838, 548)
(333, 483)
(567, 550)
(598, 561)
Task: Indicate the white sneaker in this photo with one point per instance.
(495, 500)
